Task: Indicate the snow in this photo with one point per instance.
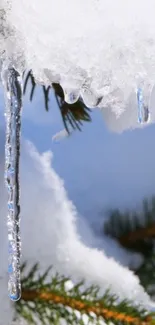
(49, 219)
(99, 49)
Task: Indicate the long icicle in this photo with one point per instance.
(140, 104)
(12, 83)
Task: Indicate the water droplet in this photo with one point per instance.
(71, 96)
(90, 99)
(14, 293)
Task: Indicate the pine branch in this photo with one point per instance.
(51, 301)
(83, 306)
(73, 115)
(139, 234)
(134, 231)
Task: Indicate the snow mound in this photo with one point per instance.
(56, 221)
(101, 50)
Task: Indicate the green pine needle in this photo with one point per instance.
(50, 301)
(73, 115)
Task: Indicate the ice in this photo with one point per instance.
(140, 104)
(13, 95)
(71, 96)
(105, 46)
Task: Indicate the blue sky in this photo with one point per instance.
(101, 169)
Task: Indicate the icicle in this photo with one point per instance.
(12, 83)
(143, 107)
(90, 99)
(140, 104)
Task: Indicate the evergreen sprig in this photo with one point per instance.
(135, 231)
(73, 115)
(49, 302)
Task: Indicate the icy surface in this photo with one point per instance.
(102, 50)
